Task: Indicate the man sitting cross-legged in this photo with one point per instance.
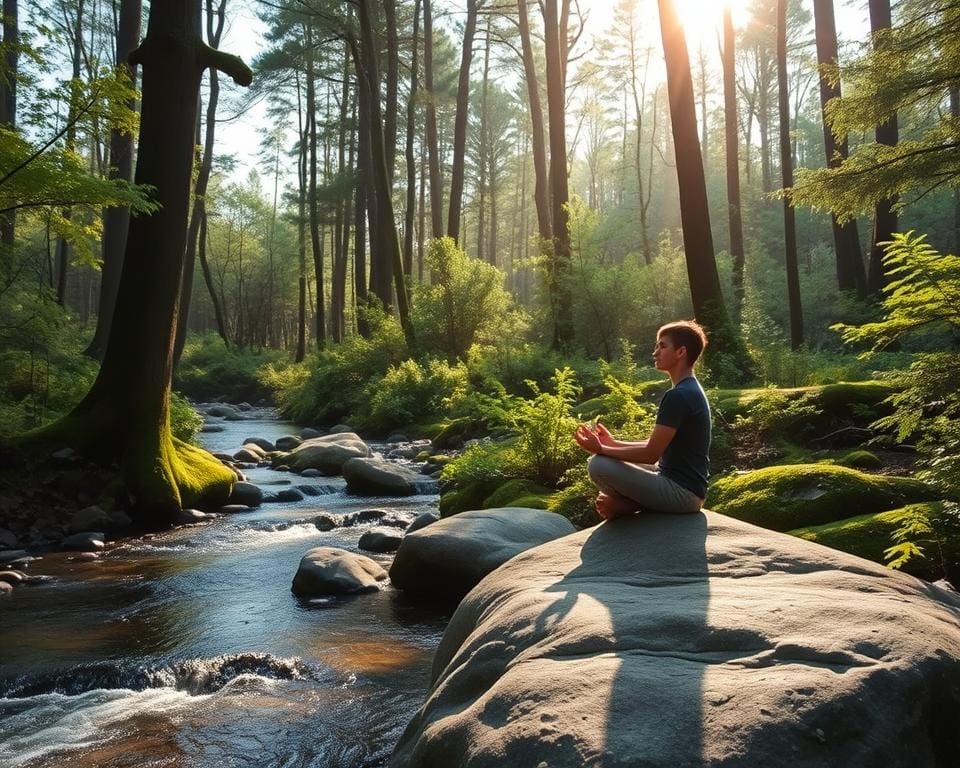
(668, 471)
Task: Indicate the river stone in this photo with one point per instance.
(6, 588)
(222, 410)
(13, 577)
(332, 571)
(223, 456)
(450, 556)
(311, 472)
(288, 495)
(692, 640)
(244, 406)
(207, 428)
(88, 541)
(327, 454)
(326, 522)
(339, 429)
(381, 539)
(376, 477)
(316, 490)
(248, 455)
(190, 516)
(95, 519)
(233, 509)
(8, 539)
(86, 557)
(247, 494)
(422, 521)
(308, 433)
(287, 442)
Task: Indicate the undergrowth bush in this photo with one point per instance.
(210, 370)
(412, 392)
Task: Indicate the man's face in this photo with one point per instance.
(665, 354)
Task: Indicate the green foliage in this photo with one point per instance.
(208, 369)
(412, 392)
(906, 74)
(923, 296)
(861, 460)
(545, 426)
(776, 413)
(338, 377)
(927, 532)
(185, 421)
(575, 500)
(466, 303)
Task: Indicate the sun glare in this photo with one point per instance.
(703, 19)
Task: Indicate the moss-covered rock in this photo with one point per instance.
(861, 460)
(868, 536)
(470, 496)
(793, 496)
(514, 490)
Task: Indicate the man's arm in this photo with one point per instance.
(644, 452)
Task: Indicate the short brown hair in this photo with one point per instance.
(686, 333)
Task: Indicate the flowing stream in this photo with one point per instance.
(188, 648)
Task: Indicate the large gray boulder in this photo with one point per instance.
(332, 571)
(450, 556)
(327, 454)
(381, 539)
(376, 477)
(692, 640)
(94, 518)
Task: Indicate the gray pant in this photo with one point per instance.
(643, 484)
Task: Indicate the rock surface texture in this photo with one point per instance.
(376, 477)
(450, 556)
(692, 641)
(332, 571)
(327, 454)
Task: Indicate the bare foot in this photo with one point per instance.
(611, 505)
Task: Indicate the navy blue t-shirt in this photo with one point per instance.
(686, 460)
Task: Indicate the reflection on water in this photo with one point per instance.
(104, 659)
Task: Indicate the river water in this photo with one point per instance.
(189, 650)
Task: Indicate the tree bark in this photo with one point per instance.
(125, 415)
(705, 293)
(436, 180)
(541, 189)
(786, 169)
(369, 77)
(303, 125)
(460, 124)
(391, 87)
(362, 200)
(846, 242)
(8, 100)
(116, 221)
(316, 243)
(409, 154)
(955, 113)
(484, 148)
(733, 161)
(556, 107)
(884, 212)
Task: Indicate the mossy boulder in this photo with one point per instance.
(861, 460)
(469, 496)
(868, 536)
(782, 498)
(515, 490)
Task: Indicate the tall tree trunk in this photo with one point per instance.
(63, 247)
(116, 221)
(392, 87)
(733, 160)
(639, 99)
(955, 114)
(541, 189)
(460, 124)
(214, 33)
(208, 278)
(884, 213)
(436, 180)
(8, 100)
(125, 415)
(786, 170)
(303, 125)
(369, 77)
(846, 241)
(421, 232)
(556, 105)
(339, 283)
(483, 154)
(704, 137)
(763, 125)
(705, 293)
(316, 243)
(410, 158)
(362, 201)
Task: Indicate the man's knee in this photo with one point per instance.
(599, 467)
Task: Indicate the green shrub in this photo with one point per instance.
(411, 393)
(514, 490)
(185, 421)
(786, 497)
(575, 501)
(861, 460)
(209, 370)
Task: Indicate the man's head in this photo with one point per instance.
(681, 342)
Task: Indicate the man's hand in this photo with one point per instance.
(588, 439)
(604, 436)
